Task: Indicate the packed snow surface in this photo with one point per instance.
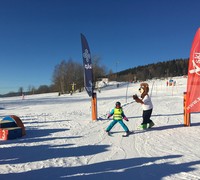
(62, 141)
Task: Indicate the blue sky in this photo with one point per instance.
(36, 35)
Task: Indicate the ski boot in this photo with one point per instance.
(151, 124)
(143, 126)
(126, 134)
(108, 133)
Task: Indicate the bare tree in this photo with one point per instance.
(98, 70)
(66, 73)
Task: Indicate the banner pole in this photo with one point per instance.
(88, 76)
(186, 115)
(94, 106)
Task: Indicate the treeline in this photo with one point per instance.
(31, 90)
(68, 75)
(172, 68)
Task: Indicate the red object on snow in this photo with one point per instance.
(193, 83)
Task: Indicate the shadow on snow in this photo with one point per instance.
(134, 168)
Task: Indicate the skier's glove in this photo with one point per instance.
(108, 116)
(126, 119)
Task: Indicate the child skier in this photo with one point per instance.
(118, 115)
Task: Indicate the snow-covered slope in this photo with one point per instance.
(62, 141)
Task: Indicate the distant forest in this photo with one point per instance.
(167, 69)
(69, 72)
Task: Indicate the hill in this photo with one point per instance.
(166, 69)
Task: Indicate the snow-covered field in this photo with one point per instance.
(62, 141)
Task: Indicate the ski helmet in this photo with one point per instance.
(118, 104)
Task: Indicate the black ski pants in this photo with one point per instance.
(146, 116)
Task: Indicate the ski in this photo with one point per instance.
(127, 134)
(124, 135)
